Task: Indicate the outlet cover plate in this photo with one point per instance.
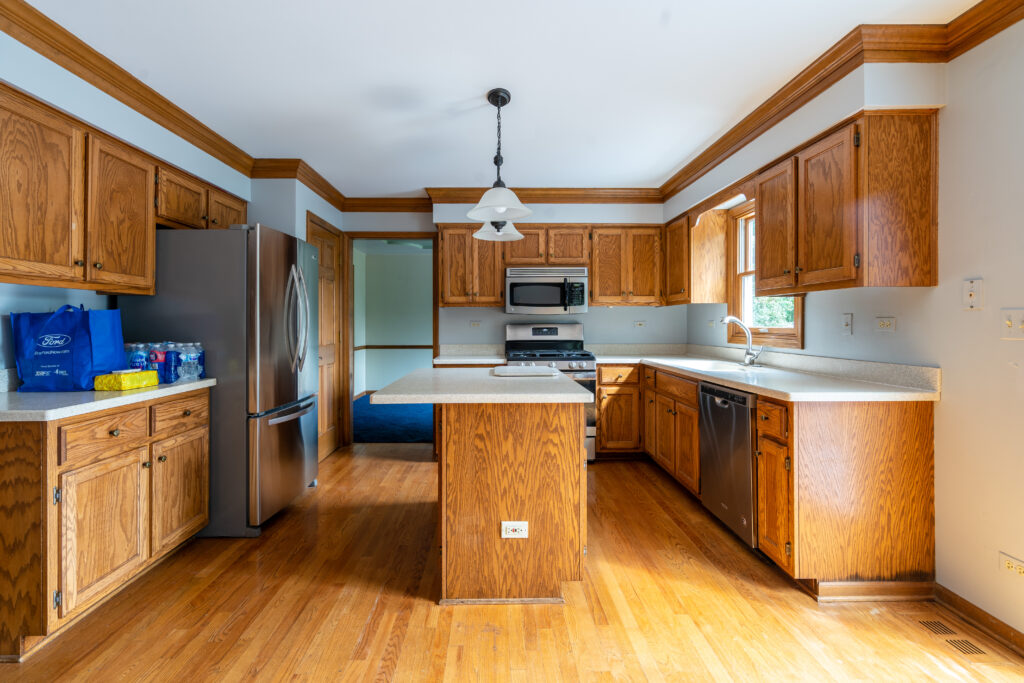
(1011, 564)
(515, 529)
(885, 324)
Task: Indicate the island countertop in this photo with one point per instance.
(479, 385)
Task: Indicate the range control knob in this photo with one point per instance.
(553, 364)
(532, 363)
(573, 365)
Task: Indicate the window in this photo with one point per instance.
(773, 320)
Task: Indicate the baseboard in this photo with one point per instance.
(448, 602)
(986, 623)
(868, 591)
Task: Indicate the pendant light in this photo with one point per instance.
(499, 205)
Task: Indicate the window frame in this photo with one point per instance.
(776, 337)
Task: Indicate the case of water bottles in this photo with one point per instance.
(173, 361)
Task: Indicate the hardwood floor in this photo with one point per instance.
(343, 586)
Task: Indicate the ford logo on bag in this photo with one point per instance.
(53, 341)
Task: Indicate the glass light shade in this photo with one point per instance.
(498, 204)
(508, 233)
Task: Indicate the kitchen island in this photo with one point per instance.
(512, 450)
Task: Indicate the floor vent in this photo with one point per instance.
(938, 627)
(966, 646)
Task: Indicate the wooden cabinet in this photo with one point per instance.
(626, 266)
(687, 446)
(42, 200)
(181, 198)
(855, 208)
(665, 431)
(677, 262)
(650, 415)
(618, 415)
(121, 238)
(472, 270)
(225, 210)
(672, 431)
(569, 246)
(532, 250)
(775, 502)
(92, 501)
(618, 374)
(708, 270)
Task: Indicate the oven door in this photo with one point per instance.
(588, 380)
(542, 295)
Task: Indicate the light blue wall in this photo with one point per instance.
(28, 299)
(282, 203)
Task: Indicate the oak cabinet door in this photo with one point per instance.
(775, 259)
(687, 465)
(120, 226)
(708, 245)
(775, 503)
(532, 250)
(677, 262)
(456, 266)
(104, 527)
(181, 199)
(569, 246)
(609, 281)
(650, 423)
(619, 418)
(181, 488)
(488, 273)
(644, 265)
(42, 201)
(827, 217)
(225, 210)
(665, 426)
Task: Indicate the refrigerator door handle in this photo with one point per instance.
(303, 349)
(291, 416)
(291, 296)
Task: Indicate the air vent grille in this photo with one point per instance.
(966, 646)
(938, 627)
(545, 272)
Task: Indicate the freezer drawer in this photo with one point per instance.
(282, 457)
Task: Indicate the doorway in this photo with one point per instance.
(394, 331)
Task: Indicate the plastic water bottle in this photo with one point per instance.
(201, 359)
(189, 371)
(138, 357)
(172, 362)
(157, 356)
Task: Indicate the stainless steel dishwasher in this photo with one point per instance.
(727, 458)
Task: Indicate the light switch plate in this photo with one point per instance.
(847, 324)
(973, 296)
(515, 529)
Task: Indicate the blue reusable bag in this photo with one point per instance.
(66, 350)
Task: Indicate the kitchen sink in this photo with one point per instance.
(719, 366)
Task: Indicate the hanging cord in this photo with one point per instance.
(497, 157)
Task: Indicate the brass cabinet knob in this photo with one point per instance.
(98, 265)
(187, 412)
(79, 262)
(115, 432)
(162, 458)
(147, 465)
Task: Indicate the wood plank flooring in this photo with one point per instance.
(343, 586)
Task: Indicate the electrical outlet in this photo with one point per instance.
(847, 324)
(1011, 564)
(1011, 324)
(711, 323)
(974, 294)
(474, 323)
(639, 323)
(515, 529)
(887, 325)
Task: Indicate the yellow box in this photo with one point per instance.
(127, 380)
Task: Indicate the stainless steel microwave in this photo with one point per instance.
(546, 291)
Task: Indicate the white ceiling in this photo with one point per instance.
(385, 97)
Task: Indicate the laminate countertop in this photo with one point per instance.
(479, 385)
(43, 406)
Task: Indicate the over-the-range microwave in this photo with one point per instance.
(546, 291)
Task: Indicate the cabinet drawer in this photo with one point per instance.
(180, 414)
(107, 435)
(678, 388)
(648, 378)
(618, 374)
(772, 420)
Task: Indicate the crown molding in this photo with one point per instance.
(552, 195)
(299, 170)
(35, 30)
(389, 204)
(979, 23)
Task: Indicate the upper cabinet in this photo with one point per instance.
(626, 266)
(708, 270)
(545, 245)
(225, 210)
(472, 270)
(183, 201)
(677, 261)
(532, 250)
(856, 208)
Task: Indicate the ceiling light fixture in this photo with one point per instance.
(499, 205)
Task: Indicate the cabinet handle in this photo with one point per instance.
(682, 290)
(631, 292)
(79, 262)
(758, 454)
(115, 432)
(162, 458)
(187, 412)
(215, 221)
(651, 401)
(98, 266)
(786, 272)
(788, 464)
(764, 418)
(799, 269)
(618, 376)
(604, 396)
(203, 218)
(147, 465)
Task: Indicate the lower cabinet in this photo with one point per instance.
(671, 433)
(665, 431)
(775, 502)
(618, 418)
(687, 449)
(181, 488)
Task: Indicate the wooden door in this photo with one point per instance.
(488, 273)
(708, 272)
(104, 527)
(665, 426)
(328, 241)
(775, 502)
(42, 200)
(225, 210)
(677, 262)
(618, 417)
(569, 246)
(532, 250)
(120, 226)
(181, 199)
(775, 251)
(644, 265)
(181, 488)
(827, 218)
(650, 423)
(457, 266)
(608, 277)
(687, 466)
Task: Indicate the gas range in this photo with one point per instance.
(553, 345)
(563, 360)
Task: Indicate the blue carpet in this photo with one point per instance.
(407, 423)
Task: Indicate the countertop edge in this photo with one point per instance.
(115, 399)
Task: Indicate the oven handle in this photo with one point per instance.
(565, 294)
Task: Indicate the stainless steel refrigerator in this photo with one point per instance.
(249, 295)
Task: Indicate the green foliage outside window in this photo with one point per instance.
(774, 311)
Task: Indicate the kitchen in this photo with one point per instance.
(879, 440)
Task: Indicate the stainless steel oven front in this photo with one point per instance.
(588, 380)
(546, 291)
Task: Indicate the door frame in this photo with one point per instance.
(348, 344)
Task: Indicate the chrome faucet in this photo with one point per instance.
(749, 355)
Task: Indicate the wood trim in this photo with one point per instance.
(407, 235)
(301, 171)
(361, 394)
(553, 195)
(393, 346)
(979, 23)
(980, 619)
(389, 204)
(35, 30)
(867, 591)
(342, 363)
(347, 337)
